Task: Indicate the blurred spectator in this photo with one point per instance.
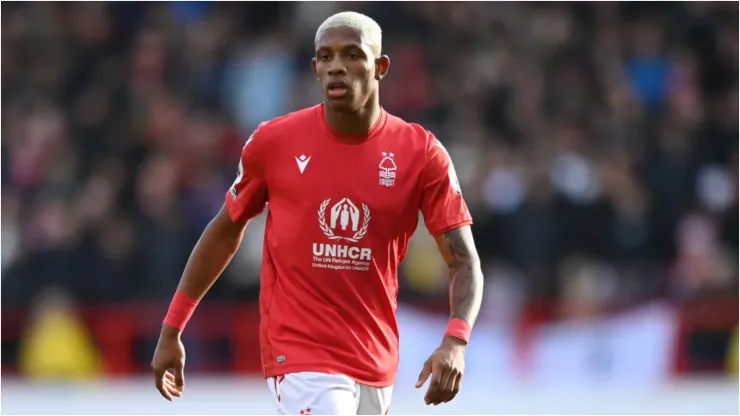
(732, 356)
(57, 345)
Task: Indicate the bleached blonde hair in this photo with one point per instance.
(368, 28)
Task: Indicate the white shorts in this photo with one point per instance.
(310, 393)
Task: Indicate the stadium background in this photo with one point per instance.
(596, 145)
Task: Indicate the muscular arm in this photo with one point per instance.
(446, 365)
(209, 258)
(213, 252)
(466, 278)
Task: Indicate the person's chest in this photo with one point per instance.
(345, 191)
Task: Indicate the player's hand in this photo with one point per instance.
(169, 357)
(446, 365)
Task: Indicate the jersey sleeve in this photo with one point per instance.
(247, 196)
(442, 203)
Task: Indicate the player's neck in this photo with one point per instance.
(354, 123)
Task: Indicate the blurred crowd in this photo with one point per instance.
(596, 143)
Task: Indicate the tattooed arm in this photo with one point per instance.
(446, 365)
(466, 278)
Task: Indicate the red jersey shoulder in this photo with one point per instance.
(413, 135)
(274, 131)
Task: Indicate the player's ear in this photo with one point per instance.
(313, 65)
(382, 65)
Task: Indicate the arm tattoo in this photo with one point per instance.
(466, 278)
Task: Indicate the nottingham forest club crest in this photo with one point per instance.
(343, 221)
(387, 170)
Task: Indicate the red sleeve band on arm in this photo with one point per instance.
(181, 309)
(459, 329)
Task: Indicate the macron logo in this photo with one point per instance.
(302, 162)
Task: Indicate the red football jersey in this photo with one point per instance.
(339, 221)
